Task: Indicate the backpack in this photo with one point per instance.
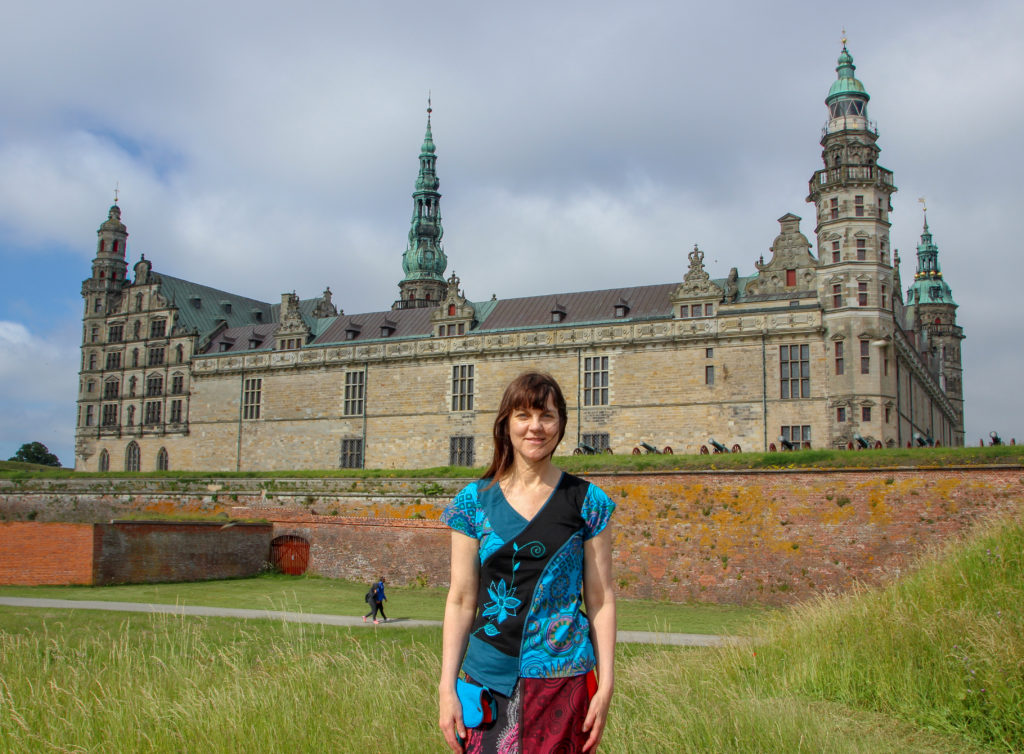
(369, 594)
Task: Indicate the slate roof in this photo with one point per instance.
(644, 302)
(408, 323)
(202, 308)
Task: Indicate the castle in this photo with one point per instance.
(819, 350)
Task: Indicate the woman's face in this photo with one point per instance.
(534, 431)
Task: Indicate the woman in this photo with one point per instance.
(526, 538)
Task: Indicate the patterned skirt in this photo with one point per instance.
(543, 716)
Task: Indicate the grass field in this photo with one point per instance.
(334, 597)
(933, 663)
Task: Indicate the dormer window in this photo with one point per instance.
(621, 308)
(254, 343)
(197, 303)
(257, 315)
(388, 328)
(226, 306)
(557, 316)
(352, 331)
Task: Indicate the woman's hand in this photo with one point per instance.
(450, 720)
(597, 716)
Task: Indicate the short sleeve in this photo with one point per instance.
(461, 513)
(597, 511)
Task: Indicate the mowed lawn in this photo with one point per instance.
(334, 597)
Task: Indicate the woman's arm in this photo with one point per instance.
(459, 611)
(599, 596)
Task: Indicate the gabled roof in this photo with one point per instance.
(407, 323)
(202, 308)
(644, 302)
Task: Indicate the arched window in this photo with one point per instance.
(179, 350)
(131, 457)
(104, 460)
(162, 462)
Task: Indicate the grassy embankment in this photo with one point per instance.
(932, 663)
(623, 463)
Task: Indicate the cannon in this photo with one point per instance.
(862, 443)
(786, 444)
(648, 449)
(585, 450)
(923, 441)
(996, 439)
(719, 448)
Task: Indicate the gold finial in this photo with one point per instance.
(924, 205)
(844, 37)
(429, 108)
(116, 186)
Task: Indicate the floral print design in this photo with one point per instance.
(504, 601)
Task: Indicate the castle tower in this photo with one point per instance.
(424, 260)
(109, 267)
(931, 314)
(851, 195)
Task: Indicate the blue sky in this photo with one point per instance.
(581, 146)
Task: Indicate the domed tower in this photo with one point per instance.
(109, 267)
(851, 195)
(424, 260)
(931, 314)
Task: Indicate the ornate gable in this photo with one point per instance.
(696, 285)
(455, 315)
(792, 266)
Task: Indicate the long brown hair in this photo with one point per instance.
(528, 390)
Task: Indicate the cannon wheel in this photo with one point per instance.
(772, 448)
(736, 448)
(910, 446)
(878, 444)
(849, 446)
(717, 451)
(608, 451)
(807, 445)
(668, 450)
(577, 451)
(703, 450)
(636, 451)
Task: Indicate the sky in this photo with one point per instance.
(262, 148)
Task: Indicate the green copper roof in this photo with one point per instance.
(847, 84)
(424, 258)
(928, 286)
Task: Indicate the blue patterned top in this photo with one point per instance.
(530, 621)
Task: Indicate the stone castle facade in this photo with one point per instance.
(818, 349)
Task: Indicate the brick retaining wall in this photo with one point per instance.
(732, 537)
(34, 554)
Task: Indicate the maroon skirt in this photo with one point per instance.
(543, 716)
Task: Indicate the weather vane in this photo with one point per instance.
(116, 186)
(844, 36)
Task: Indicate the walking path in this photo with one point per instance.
(632, 637)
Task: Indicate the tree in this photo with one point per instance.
(35, 452)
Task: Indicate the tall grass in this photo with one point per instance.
(932, 663)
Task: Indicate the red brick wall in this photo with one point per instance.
(140, 552)
(34, 554)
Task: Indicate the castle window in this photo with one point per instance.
(862, 294)
(451, 310)
(114, 248)
(252, 392)
(462, 328)
(462, 388)
(94, 334)
(595, 381)
(865, 357)
(176, 407)
(138, 305)
(795, 371)
(178, 384)
(621, 310)
(115, 334)
(834, 208)
(460, 451)
(137, 328)
(841, 414)
(92, 361)
(858, 206)
(88, 416)
(162, 461)
(835, 252)
(156, 357)
(888, 414)
(351, 454)
(709, 309)
(109, 417)
(90, 386)
(153, 411)
(862, 249)
(111, 388)
(837, 295)
(599, 441)
(131, 415)
(354, 392)
(709, 353)
(797, 434)
(865, 413)
(131, 385)
(157, 328)
(884, 297)
(132, 462)
(557, 316)
(104, 460)
(790, 277)
(97, 305)
(840, 366)
(135, 357)
(709, 374)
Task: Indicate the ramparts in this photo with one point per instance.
(733, 537)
